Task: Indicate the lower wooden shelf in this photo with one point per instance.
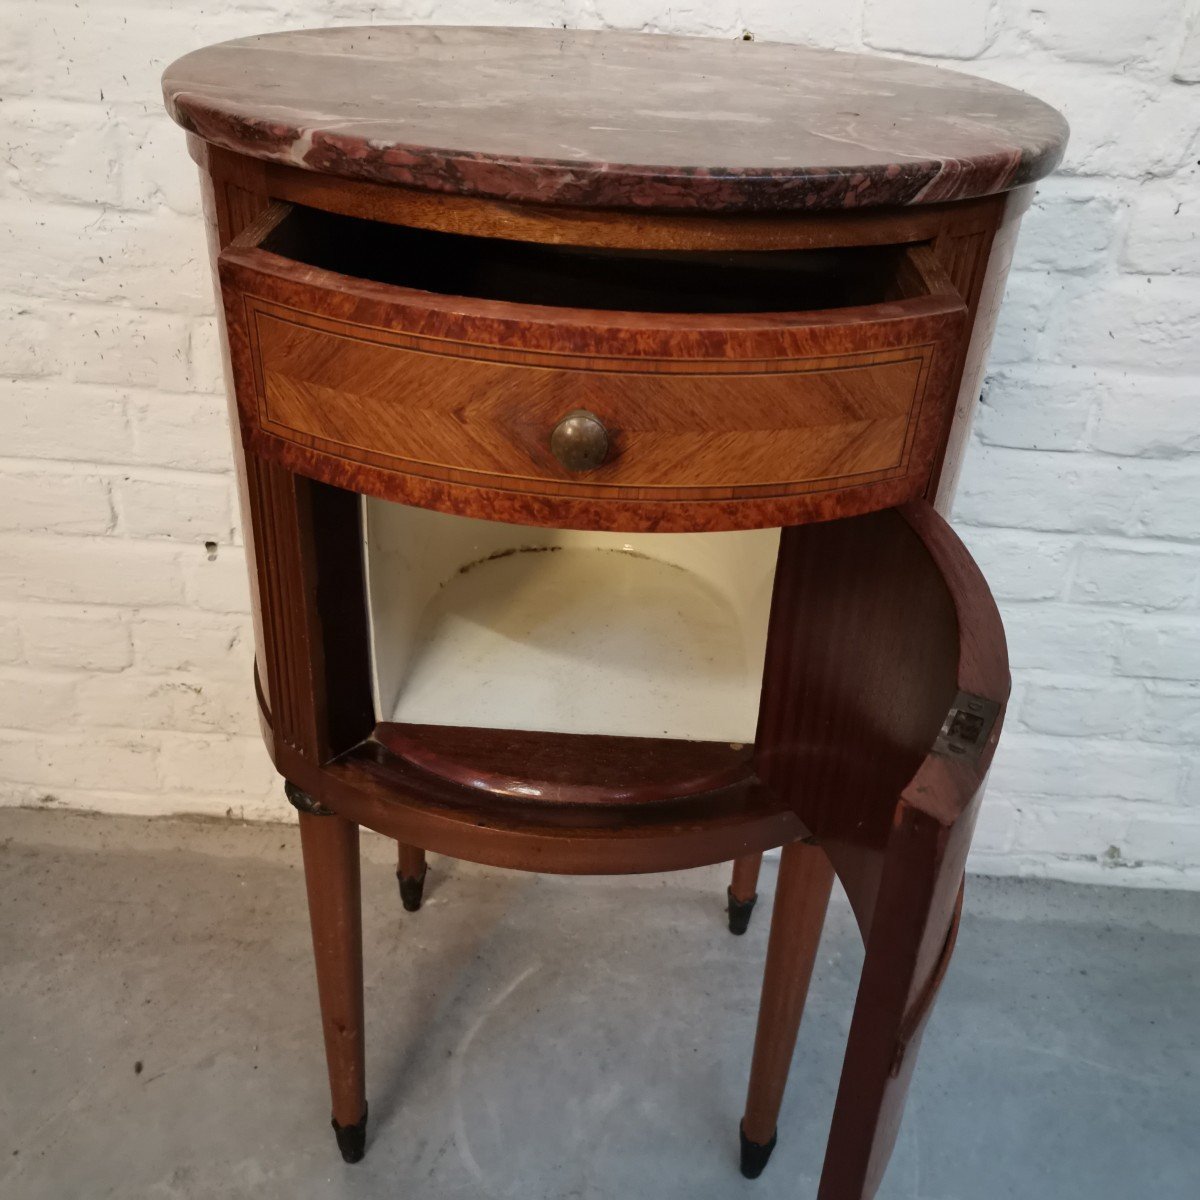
(569, 768)
(431, 807)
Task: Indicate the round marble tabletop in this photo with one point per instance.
(614, 120)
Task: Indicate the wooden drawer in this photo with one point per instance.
(720, 417)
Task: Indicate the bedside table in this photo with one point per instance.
(596, 399)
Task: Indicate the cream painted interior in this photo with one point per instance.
(484, 624)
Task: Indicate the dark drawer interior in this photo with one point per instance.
(584, 277)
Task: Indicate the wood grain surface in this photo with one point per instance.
(878, 624)
(391, 390)
(567, 768)
(878, 621)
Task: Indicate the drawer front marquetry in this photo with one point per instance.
(591, 418)
(432, 407)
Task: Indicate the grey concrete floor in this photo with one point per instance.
(532, 1037)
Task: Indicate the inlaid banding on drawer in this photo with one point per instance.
(426, 406)
(450, 400)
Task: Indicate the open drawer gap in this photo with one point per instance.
(592, 278)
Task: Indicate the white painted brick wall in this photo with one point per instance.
(948, 28)
(125, 643)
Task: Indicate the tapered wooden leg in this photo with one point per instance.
(742, 892)
(331, 874)
(801, 898)
(410, 873)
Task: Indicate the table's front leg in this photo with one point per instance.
(331, 876)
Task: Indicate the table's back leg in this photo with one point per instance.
(331, 875)
(801, 898)
(742, 893)
(410, 873)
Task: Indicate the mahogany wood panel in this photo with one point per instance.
(384, 792)
(568, 768)
(462, 394)
(221, 225)
(859, 668)
(867, 659)
(313, 611)
(336, 615)
(978, 260)
(275, 520)
(304, 550)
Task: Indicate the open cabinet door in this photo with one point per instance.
(884, 693)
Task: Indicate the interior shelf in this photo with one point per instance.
(500, 626)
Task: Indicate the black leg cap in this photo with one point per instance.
(754, 1155)
(412, 889)
(352, 1139)
(739, 912)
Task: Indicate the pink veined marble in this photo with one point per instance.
(614, 120)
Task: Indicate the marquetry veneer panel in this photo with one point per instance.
(449, 401)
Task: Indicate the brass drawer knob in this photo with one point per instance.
(580, 441)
